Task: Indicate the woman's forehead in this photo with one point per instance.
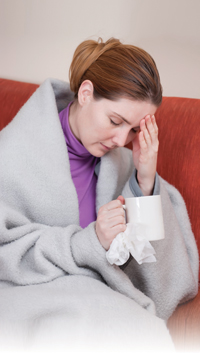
(126, 108)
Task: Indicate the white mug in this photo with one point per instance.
(146, 213)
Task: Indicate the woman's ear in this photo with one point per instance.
(85, 92)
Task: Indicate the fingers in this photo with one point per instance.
(115, 230)
(112, 217)
(114, 204)
(148, 135)
(110, 222)
(121, 198)
(112, 213)
(154, 124)
(149, 127)
(117, 220)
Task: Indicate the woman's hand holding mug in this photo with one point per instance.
(145, 151)
(110, 221)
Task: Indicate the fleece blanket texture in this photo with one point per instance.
(56, 286)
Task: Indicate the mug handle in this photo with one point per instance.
(124, 207)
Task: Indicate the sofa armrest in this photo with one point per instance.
(178, 157)
(13, 95)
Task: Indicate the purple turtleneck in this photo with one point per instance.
(82, 165)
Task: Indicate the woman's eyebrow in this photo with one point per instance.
(118, 115)
(125, 120)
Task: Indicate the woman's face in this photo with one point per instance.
(103, 125)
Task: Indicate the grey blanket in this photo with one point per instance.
(56, 286)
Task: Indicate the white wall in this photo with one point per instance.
(38, 37)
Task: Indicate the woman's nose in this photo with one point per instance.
(120, 138)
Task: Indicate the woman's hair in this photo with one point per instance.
(116, 70)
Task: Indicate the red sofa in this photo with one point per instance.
(178, 163)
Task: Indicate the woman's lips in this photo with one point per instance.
(105, 147)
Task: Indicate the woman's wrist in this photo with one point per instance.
(146, 186)
(146, 191)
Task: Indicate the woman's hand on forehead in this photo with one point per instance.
(145, 151)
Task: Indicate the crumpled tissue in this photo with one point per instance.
(131, 241)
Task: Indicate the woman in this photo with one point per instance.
(117, 91)
(63, 208)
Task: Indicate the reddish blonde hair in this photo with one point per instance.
(116, 70)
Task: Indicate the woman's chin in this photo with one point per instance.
(99, 151)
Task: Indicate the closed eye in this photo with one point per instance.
(116, 124)
(111, 121)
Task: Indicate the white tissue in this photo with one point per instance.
(133, 241)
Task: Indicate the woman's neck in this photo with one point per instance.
(73, 119)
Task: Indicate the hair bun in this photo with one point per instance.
(84, 56)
